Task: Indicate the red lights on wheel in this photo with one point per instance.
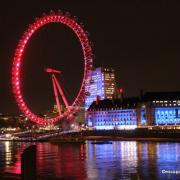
(17, 60)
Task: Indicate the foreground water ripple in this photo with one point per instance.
(118, 160)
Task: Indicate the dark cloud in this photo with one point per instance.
(139, 39)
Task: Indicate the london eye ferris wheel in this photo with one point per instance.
(71, 109)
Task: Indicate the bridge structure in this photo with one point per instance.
(28, 136)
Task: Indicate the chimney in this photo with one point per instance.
(97, 100)
(120, 92)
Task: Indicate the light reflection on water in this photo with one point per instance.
(119, 160)
(10, 156)
(111, 160)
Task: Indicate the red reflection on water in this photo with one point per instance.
(16, 167)
(61, 160)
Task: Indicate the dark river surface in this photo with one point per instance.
(119, 160)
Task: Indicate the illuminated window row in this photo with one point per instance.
(120, 123)
(168, 115)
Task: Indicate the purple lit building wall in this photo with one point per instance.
(153, 109)
(113, 114)
(102, 85)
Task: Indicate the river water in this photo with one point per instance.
(119, 160)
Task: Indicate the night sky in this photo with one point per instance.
(140, 40)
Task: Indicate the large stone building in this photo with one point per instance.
(160, 108)
(113, 114)
(152, 109)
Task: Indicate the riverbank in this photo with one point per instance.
(122, 135)
(92, 138)
(98, 138)
(170, 135)
(109, 138)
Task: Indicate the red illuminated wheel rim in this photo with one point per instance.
(18, 58)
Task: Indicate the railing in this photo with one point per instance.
(55, 134)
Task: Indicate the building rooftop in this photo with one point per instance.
(151, 96)
(132, 102)
(115, 103)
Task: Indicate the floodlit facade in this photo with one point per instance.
(160, 108)
(113, 119)
(167, 116)
(101, 85)
(153, 109)
(113, 114)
